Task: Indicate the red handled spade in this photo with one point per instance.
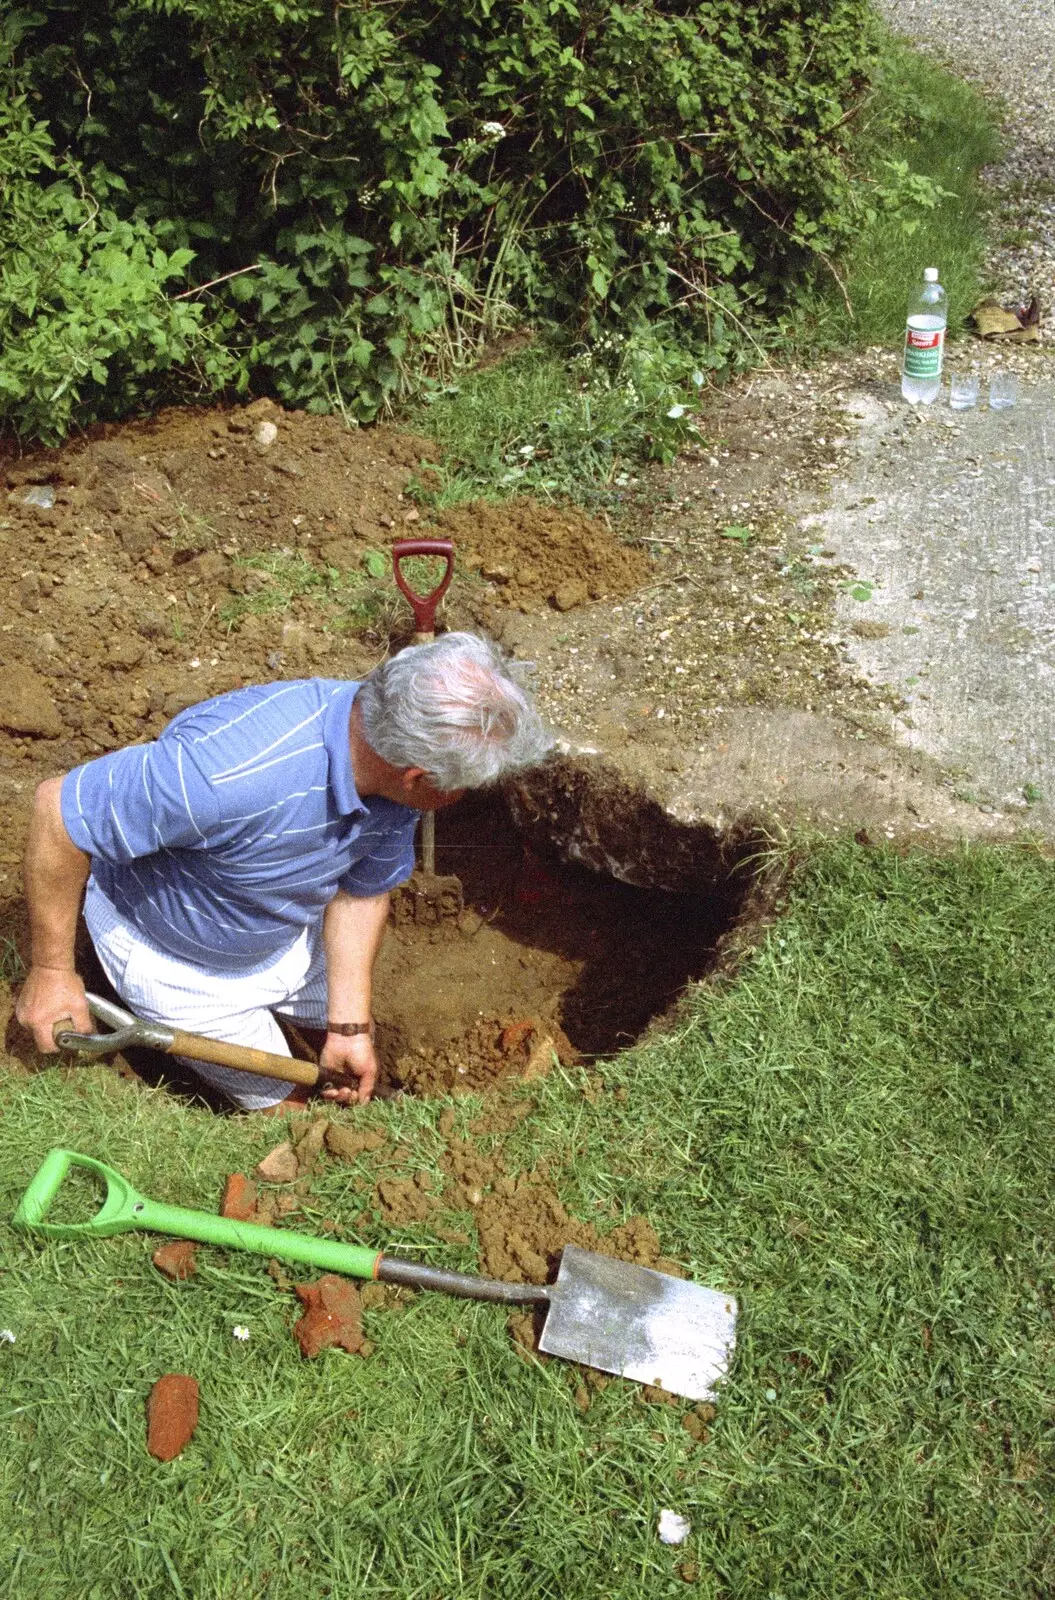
(435, 898)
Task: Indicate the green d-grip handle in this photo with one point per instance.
(124, 1209)
(120, 1210)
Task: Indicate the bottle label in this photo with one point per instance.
(923, 351)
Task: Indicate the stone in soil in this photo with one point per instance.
(26, 706)
(239, 1197)
(332, 1316)
(176, 1259)
(172, 1415)
(280, 1165)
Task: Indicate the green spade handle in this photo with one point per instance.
(124, 1209)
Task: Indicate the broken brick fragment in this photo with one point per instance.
(239, 1197)
(172, 1414)
(176, 1259)
(332, 1316)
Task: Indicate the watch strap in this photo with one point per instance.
(349, 1029)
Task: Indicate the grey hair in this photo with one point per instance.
(453, 708)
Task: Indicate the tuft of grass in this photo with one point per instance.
(853, 1135)
(922, 121)
(544, 423)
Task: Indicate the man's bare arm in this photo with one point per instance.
(352, 932)
(54, 873)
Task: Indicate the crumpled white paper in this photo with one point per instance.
(673, 1529)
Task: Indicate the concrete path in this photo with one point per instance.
(949, 520)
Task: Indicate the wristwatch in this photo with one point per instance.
(349, 1029)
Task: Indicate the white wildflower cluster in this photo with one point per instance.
(492, 130)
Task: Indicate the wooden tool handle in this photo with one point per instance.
(241, 1057)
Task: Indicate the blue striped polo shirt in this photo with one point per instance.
(233, 831)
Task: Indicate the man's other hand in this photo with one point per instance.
(51, 995)
(352, 1056)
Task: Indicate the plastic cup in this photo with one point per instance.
(963, 390)
(1003, 391)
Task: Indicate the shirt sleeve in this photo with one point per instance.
(387, 858)
(138, 801)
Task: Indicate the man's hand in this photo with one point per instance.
(355, 1056)
(50, 995)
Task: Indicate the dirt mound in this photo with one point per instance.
(536, 554)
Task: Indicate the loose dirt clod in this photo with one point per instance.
(176, 1259)
(310, 1143)
(239, 1197)
(333, 1316)
(350, 1143)
(280, 1165)
(172, 1415)
(403, 1201)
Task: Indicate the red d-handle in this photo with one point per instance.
(423, 606)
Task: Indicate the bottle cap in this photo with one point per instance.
(930, 274)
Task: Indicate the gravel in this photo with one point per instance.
(1007, 48)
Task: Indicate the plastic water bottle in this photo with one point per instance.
(924, 341)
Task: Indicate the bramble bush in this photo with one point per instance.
(387, 187)
(83, 292)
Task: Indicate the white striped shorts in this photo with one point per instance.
(234, 1006)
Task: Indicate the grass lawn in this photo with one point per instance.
(855, 1136)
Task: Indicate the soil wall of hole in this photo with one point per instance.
(587, 910)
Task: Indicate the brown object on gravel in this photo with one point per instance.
(332, 1316)
(176, 1259)
(172, 1415)
(239, 1197)
(280, 1165)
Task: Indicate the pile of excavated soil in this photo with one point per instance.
(536, 554)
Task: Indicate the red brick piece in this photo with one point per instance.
(176, 1259)
(239, 1197)
(333, 1316)
(172, 1414)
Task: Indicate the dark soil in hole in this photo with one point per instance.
(543, 951)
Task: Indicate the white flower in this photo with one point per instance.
(492, 130)
(672, 1528)
(6, 1336)
(677, 411)
(241, 1332)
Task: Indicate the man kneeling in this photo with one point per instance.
(241, 864)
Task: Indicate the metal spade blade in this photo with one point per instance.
(639, 1324)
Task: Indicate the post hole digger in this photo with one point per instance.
(601, 1312)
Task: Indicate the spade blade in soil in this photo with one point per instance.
(639, 1324)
